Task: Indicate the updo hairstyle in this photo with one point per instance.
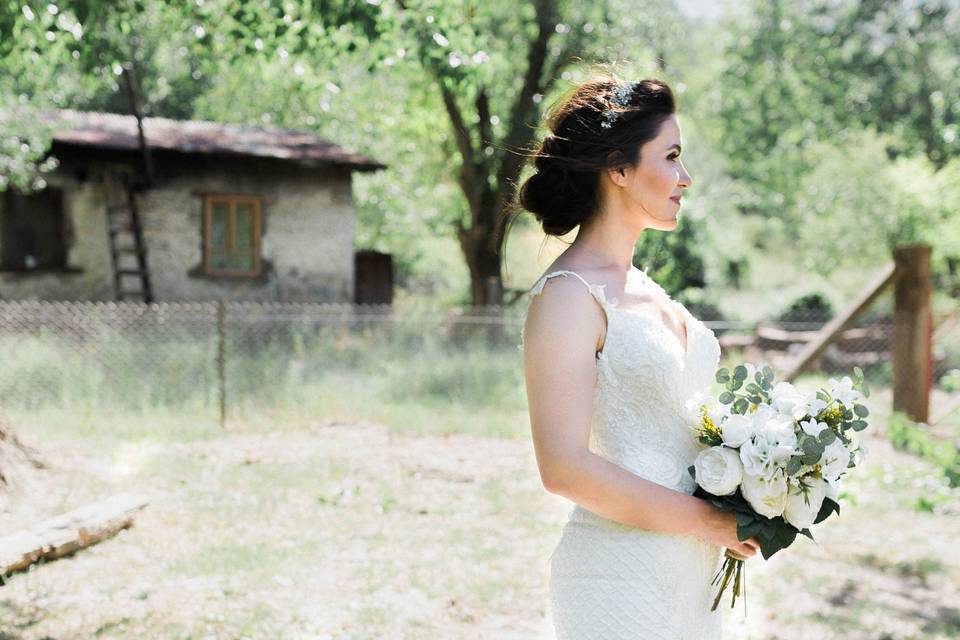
(597, 117)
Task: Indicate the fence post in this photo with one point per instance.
(222, 360)
(911, 350)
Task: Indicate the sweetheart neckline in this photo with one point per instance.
(639, 312)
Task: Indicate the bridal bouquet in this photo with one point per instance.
(775, 457)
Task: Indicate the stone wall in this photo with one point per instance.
(307, 234)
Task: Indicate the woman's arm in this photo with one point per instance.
(563, 331)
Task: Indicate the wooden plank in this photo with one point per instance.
(816, 347)
(68, 533)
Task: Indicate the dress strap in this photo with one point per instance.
(596, 290)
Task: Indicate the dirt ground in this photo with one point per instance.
(353, 531)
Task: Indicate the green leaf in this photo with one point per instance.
(722, 375)
(794, 465)
(858, 425)
(827, 436)
(741, 406)
(736, 385)
(861, 410)
(726, 397)
(767, 373)
(858, 373)
(747, 531)
(740, 372)
(823, 395)
(828, 507)
(752, 388)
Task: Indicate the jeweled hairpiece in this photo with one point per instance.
(621, 98)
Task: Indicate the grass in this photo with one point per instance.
(383, 485)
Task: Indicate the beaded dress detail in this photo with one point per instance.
(612, 581)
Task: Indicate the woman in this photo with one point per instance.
(610, 360)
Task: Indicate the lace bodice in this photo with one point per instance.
(644, 378)
(608, 580)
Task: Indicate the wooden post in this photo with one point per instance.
(911, 350)
(222, 360)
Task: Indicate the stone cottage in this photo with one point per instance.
(234, 212)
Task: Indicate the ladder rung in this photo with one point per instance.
(117, 228)
(130, 272)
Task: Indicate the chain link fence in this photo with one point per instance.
(224, 359)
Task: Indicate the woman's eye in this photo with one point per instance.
(673, 157)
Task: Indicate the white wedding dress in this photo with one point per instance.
(609, 580)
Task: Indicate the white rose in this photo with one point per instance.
(736, 430)
(801, 509)
(718, 470)
(834, 460)
(767, 497)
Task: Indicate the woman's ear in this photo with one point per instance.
(615, 170)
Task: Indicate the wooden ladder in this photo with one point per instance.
(131, 278)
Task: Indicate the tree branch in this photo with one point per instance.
(468, 168)
(521, 132)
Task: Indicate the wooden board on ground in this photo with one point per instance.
(68, 533)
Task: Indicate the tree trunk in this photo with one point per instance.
(481, 251)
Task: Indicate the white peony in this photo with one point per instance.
(736, 429)
(767, 497)
(801, 509)
(718, 470)
(834, 460)
(843, 391)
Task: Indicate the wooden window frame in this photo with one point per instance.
(231, 201)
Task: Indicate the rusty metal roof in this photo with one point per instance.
(119, 132)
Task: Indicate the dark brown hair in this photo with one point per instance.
(584, 127)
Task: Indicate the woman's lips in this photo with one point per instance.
(676, 199)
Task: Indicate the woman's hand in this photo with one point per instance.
(720, 528)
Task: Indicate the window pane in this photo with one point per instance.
(218, 261)
(218, 225)
(244, 238)
(240, 262)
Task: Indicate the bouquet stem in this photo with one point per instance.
(732, 570)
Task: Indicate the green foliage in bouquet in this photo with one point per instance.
(775, 534)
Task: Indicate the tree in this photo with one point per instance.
(799, 72)
(493, 66)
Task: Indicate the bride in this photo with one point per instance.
(610, 360)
